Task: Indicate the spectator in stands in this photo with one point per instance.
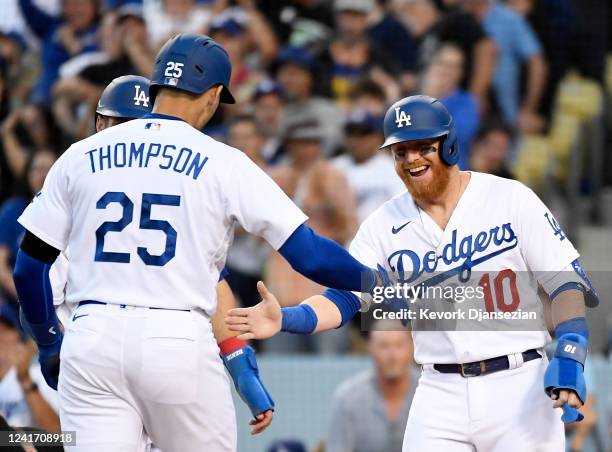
(13, 47)
(352, 55)
(295, 72)
(170, 17)
(248, 253)
(322, 191)
(11, 232)
(268, 110)
(369, 171)
(25, 398)
(239, 32)
(367, 95)
(301, 23)
(430, 27)
(388, 33)
(61, 37)
(491, 149)
(554, 22)
(370, 410)
(25, 130)
(248, 22)
(442, 80)
(125, 50)
(517, 45)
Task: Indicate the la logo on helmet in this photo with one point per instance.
(140, 96)
(401, 118)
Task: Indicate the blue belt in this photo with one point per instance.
(86, 302)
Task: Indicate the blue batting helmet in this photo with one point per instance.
(421, 118)
(125, 97)
(192, 63)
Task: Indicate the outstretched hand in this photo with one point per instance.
(261, 321)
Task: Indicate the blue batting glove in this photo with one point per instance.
(239, 360)
(566, 371)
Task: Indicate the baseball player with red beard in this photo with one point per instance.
(453, 222)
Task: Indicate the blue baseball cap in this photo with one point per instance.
(295, 55)
(362, 121)
(231, 22)
(265, 87)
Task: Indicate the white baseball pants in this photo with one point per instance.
(505, 411)
(129, 374)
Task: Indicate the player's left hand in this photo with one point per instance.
(564, 377)
(261, 422)
(49, 359)
(261, 321)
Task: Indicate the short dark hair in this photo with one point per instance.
(367, 87)
(245, 117)
(492, 125)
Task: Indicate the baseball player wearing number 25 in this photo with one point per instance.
(479, 390)
(147, 209)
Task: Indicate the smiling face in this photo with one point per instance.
(419, 166)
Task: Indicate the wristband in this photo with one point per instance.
(231, 345)
(299, 319)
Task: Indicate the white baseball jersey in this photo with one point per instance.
(498, 225)
(148, 210)
(373, 181)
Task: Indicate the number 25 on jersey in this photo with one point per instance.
(148, 200)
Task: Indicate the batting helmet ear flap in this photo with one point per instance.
(450, 146)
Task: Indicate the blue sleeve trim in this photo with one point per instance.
(299, 319)
(325, 262)
(565, 287)
(591, 297)
(347, 302)
(577, 325)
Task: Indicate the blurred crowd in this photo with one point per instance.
(312, 79)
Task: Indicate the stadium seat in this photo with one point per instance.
(580, 96)
(534, 160)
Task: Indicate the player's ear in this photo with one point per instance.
(217, 97)
(100, 123)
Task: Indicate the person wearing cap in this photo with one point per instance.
(25, 398)
(268, 104)
(294, 70)
(369, 172)
(247, 19)
(352, 55)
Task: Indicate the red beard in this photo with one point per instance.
(428, 193)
